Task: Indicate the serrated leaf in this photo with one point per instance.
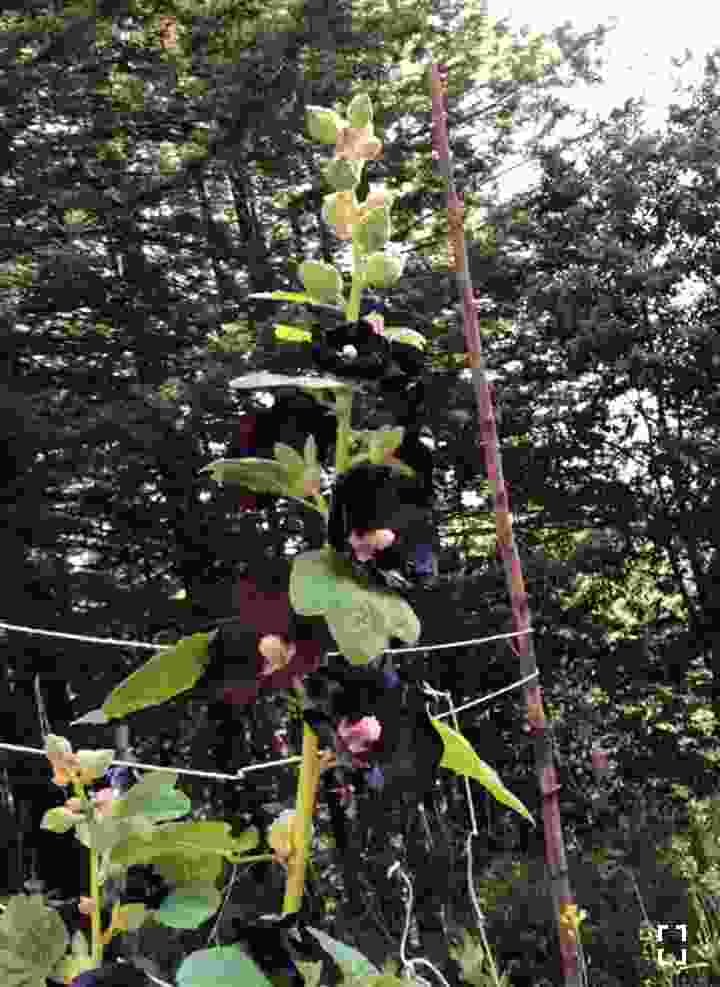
(460, 757)
(351, 962)
(164, 676)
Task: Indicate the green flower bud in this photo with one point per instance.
(383, 270)
(373, 231)
(323, 282)
(324, 125)
(342, 174)
(360, 111)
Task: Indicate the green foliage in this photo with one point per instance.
(476, 966)
(165, 675)
(352, 963)
(361, 619)
(224, 966)
(459, 756)
(33, 939)
(188, 907)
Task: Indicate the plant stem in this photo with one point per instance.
(307, 790)
(97, 943)
(352, 312)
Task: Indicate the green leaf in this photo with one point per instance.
(188, 839)
(223, 966)
(401, 334)
(351, 962)
(71, 967)
(264, 381)
(292, 334)
(460, 757)
(156, 797)
(342, 174)
(289, 457)
(59, 820)
(322, 281)
(384, 442)
(258, 475)
(360, 111)
(188, 907)
(283, 296)
(310, 972)
(323, 124)
(164, 676)
(373, 232)
(310, 456)
(38, 936)
(383, 270)
(361, 619)
(132, 916)
(79, 944)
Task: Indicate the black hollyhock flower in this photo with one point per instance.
(242, 661)
(292, 418)
(144, 885)
(271, 941)
(357, 350)
(369, 501)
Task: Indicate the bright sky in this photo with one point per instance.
(637, 53)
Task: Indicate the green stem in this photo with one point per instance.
(352, 311)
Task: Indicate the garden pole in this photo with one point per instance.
(564, 904)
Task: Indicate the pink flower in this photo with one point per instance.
(365, 546)
(377, 321)
(103, 801)
(358, 738)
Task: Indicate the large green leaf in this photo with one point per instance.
(223, 966)
(164, 676)
(187, 839)
(156, 797)
(37, 940)
(361, 619)
(188, 907)
(460, 757)
(292, 334)
(258, 475)
(351, 962)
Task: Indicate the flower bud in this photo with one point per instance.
(343, 174)
(340, 210)
(383, 270)
(373, 231)
(323, 125)
(360, 111)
